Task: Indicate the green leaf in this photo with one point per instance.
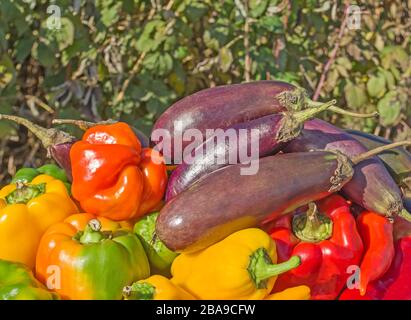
(355, 95)
(23, 48)
(225, 59)
(161, 63)
(152, 36)
(389, 108)
(376, 85)
(195, 11)
(7, 71)
(44, 54)
(271, 23)
(257, 7)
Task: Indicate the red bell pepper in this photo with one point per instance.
(377, 234)
(327, 243)
(395, 284)
(112, 176)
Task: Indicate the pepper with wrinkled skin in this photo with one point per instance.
(327, 243)
(155, 288)
(241, 266)
(112, 176)
(96, 257)
(377, 234)
(26, 211)
(18, 283)
(294, 293)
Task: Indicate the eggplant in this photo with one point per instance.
(397, 161)
(274, 131)
(371, 187)
(226, 201)
(223, 106)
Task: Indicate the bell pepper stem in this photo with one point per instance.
(48, 137)
(378, 150)
(312, 226)
(139, 291)
(24, 193)
(92, 233)
(261, 267)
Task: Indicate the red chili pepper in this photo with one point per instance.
(396, 282)
(112, 176)
(377, 234)
(327, 243)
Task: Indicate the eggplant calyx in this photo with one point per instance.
(292, 122)
(312, 226)
(343, 173)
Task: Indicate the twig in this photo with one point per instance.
(333, 55)
(40, 103)
(138, 63)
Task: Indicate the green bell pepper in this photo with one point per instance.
(18, 283)
(159, 256)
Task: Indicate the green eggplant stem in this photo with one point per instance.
(48, 137)
(315, 104)
(24, 193)
(82, 124)
(312, 226)
(378, 150)
(261, 267)
(405, 215)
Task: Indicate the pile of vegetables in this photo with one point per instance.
(325, 216)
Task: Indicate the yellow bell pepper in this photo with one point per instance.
(294, 293)
(242, 266)
(155, 288)
(26, 211)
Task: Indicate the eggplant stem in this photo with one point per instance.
(315, 104)
(339, 110)
(82, 124)
(48, 137)
(405, 215)
(378, 150)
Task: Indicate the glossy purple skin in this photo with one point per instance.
(226, 201)
(61, 154)
(187, 174)
(371, 187)
(407, 204)
(221, 107)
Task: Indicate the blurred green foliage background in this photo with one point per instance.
(132, 59)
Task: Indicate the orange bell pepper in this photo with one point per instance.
(112, 176)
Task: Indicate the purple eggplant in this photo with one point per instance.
(270, 134)
(223, 106)
(397, 161)
(371, 187)
(226, 201)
